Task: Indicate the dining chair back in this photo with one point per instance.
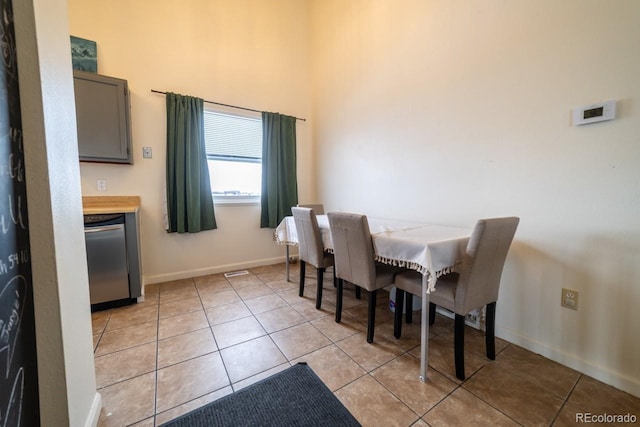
(318, 208)
(476, 285)
(355, 261)
(484, 259)
(310, 248)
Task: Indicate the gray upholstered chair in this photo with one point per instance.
(318, 208)
(311, 249)
(475, 286)
(355, 263)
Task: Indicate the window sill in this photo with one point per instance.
(236, 200)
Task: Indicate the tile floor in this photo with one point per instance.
(193, 341)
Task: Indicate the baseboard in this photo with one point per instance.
(600, 373)
(185, 274)
(94, 413)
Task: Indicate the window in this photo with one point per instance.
(234, 154)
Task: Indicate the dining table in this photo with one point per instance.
(430, 249)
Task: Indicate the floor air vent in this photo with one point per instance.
(236, 273)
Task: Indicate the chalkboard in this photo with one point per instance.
(19, 405)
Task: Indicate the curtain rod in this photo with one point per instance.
(227, 105)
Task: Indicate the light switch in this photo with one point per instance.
(146, 152)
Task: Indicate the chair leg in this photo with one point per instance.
(339, 300)
(432, 313)
(397, 316)
(459, 346)
(302, 273)
(371, 321)
(490, 331)
(335, 280)
(409, 310)
(320, 279)
(358, 292)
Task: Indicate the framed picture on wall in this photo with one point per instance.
(84, 54)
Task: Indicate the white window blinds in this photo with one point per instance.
(230, 137)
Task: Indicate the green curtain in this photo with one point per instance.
(189, 199)
(279, 182)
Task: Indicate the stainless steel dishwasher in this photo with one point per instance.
(107, 259)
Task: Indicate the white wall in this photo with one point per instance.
(449, 111)
(250, 53)
(66, 378)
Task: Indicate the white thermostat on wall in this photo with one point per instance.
(594, 113)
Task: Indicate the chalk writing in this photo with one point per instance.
(18, 364)
(14, 216)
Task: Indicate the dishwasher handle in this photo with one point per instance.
(103, 228)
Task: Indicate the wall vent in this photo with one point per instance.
(236, 273)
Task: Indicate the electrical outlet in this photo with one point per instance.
(101, 184)
(569, 299)
(147, 153)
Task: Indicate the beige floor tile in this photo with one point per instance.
(178, 384)
(401, 377)
(308, 310)
(132, 336)
(299, 340)
(237, 331)
(369, 356)
(186, 346)
(520, 399)
(282, 285)
(98, 323)
(250, 358)
(338, 331)
(211, 298)
(291, 296)
(254, 291)
(281, 318)
(262, 375)
(227, 313)
(373, 405)
(210, 279)
(128, 402)
(265, 303)
(149, 422)
(462, 408)
(219, 286)
(125, 364)
(550, 375)
(570, 415)
(239, 282)
(410, 337)
(442, 358)
(475, 341)
(176, 290)
(519, 387)
(176, 325)
(360, 313)
(599, 398)
(192, 405)
(132, 315)
(269, 276)
(182, 306)
(334, 367)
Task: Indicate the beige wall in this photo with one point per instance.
(66, 378)
(250, 53)
(449, 111)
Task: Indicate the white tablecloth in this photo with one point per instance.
(427, 248)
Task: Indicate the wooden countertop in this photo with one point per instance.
(110, 204)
